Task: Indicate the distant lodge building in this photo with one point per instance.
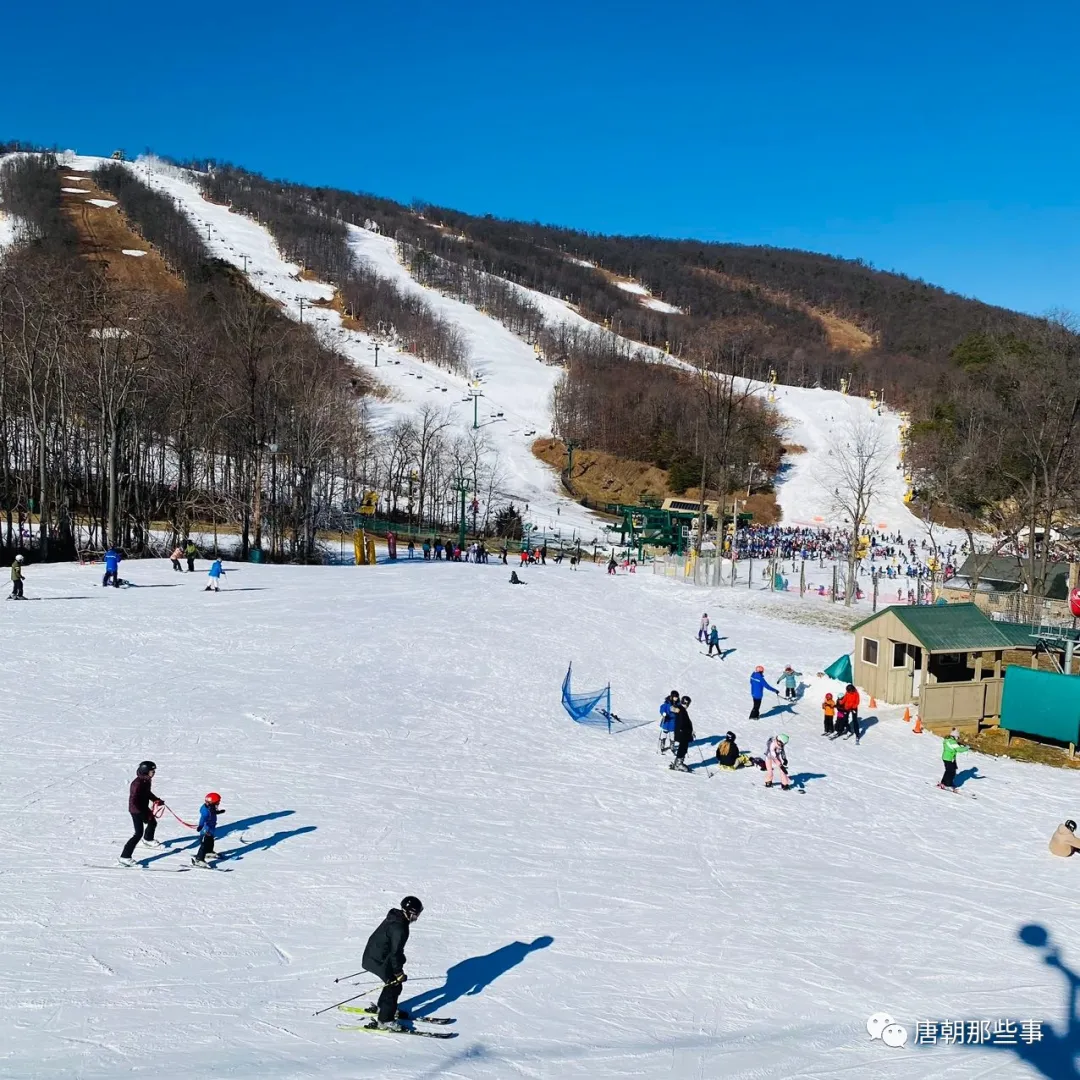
(949, 660)
(1000, 589)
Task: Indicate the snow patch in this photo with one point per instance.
(103, 203)
(660, 305)
(632, 287)
(133, 251)
(74, 190)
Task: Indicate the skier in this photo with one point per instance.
(190, 553)
(758, 686)
(788, 680)
(703, 629)
(213, 580)
(727, 753)
(139, 799)
(828, 707)
(384, 957)
(667, 721)
(714, 643)
(176, 556)
(850, 704)
(17, 579)
(611, 564)
(112, 568)
(776, 758)
(1065, 841)
(208, 814)
(950, 747)
(683, 734)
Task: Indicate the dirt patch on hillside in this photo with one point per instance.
(841, 333)
(604, 478)
(105, 234)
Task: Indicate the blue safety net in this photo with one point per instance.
(591, 707)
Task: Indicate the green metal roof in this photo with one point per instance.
(956, 628)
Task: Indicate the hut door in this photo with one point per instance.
(915, 668)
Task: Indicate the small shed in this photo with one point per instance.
(946, 658)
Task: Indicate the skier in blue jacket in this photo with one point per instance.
(112, 567)
(208, 815)
(213, 582)
(758, 686)
(667, 722)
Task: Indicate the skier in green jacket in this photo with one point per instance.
(950, 747)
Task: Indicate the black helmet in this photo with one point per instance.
(674, 695)
(1070, 825)
(411, 905)
(145, 768)
(685, 700)
(730, 736)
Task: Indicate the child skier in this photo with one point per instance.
(17, 579)
(176, 556)
(950, 747)
(776, 758)
(667, 722)
(703, 629)
(789, 680)
(213, 579)
(758, 686)
(208, 814)
(714, 643)
(828, 708)
(112, 568)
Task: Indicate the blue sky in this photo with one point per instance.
(940, 140)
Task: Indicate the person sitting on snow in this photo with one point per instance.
(1065, 841)
(728, 755)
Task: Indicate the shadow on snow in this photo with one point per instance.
(473, 976)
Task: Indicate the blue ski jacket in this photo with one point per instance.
(758, 685)
(112, 561)
(215, 569)
(667, 721)
(208, 820)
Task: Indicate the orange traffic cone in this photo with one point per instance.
(907, 715)
(873, 702)
(917, 729)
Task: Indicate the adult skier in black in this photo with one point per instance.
(684, 734)
(142, 818)
(384, 957)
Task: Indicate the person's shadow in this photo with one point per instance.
(1053, 1053)
(967, 774)
(473, 976)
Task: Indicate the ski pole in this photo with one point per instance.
(702, 756)
(352, 976)
(363, 993)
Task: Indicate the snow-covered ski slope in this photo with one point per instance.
(589, 914)
(513, 382)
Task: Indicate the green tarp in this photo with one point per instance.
(840, 669)
(1041, 703)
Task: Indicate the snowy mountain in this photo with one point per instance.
(514, 406)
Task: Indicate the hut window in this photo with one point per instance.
(870, 651)
(899, 654)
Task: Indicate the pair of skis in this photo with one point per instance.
(373, 1024)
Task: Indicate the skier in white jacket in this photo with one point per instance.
(776, 758)
(703, 629)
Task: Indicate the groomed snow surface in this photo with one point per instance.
(381, 731)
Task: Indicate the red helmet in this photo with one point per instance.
(759, 668)
(213, 797)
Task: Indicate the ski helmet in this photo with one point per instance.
(730, 736)
(411, 905)
(674, 695)
(686, 700)
(145, 768)
(1070, 825)
(213, 797)
(760, 668)
(18, 558)
(783, 737)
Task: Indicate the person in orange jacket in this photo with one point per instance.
(849, 703)
(828, 707)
